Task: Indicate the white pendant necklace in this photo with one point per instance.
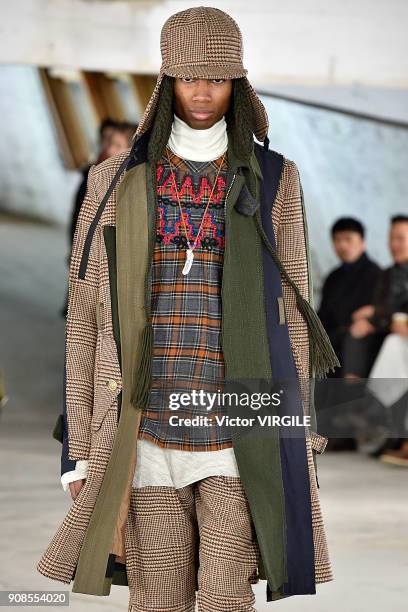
(190, 251)
(189, 260)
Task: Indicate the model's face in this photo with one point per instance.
(201, 102)
(399, 241)
(349, 246)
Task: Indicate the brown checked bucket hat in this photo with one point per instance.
(204, 43)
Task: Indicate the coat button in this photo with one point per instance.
(112, 385)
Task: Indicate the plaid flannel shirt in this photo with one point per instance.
(186, 310)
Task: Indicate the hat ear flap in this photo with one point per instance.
(162, 120)
(150, 110)
(260, 119)
(239, 121)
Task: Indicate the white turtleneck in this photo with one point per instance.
(198, 145)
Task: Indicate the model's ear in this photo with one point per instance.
(246, 203)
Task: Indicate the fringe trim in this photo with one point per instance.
(143, 375)
(322, 355)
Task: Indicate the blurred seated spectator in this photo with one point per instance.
(349, 286)
(3, 396)
(371, 324)
(388, 382)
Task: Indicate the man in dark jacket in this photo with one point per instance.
(373, 322)
(348, 287)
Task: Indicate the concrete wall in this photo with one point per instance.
(32, 178)
(348, 167)
(298, 41)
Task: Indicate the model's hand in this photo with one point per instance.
(363, 313)
(75, 487)
(361, 328)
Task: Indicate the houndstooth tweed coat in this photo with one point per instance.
(89, 543)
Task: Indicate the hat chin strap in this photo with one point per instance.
(266, 143)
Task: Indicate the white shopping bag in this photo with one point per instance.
(388, 378)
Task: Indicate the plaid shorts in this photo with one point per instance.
(193, 544)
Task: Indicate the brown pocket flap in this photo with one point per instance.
(318, 442)
(108, 380)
